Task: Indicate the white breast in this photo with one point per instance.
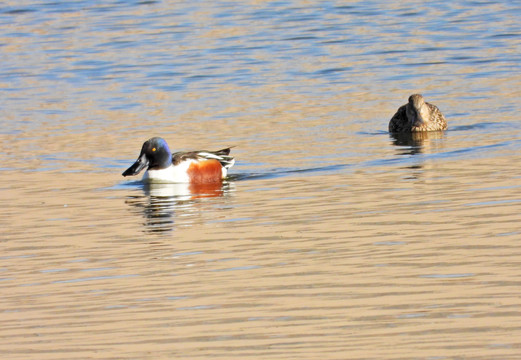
(172, 174)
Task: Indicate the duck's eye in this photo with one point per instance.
(153, 149)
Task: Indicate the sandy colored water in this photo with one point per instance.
(331, 239)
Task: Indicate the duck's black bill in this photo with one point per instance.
(136, 167)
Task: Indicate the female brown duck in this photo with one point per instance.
(417, 115)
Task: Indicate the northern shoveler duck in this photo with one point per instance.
(417, 115)
(196, 167)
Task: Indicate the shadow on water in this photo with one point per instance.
(418, 142)
(432, 142)
(485, 126)
(278, 173)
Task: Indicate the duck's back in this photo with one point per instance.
(437, 120)
(399, 122)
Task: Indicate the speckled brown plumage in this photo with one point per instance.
(417, 115)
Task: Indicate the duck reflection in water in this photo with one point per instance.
(413, 150)
(417, 142)
(162, 203)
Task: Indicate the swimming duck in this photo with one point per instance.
(417, 115)
(181, 167)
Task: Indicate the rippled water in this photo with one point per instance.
(330, 239)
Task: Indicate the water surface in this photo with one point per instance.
(330, 239)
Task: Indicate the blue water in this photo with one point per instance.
(112, 52)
